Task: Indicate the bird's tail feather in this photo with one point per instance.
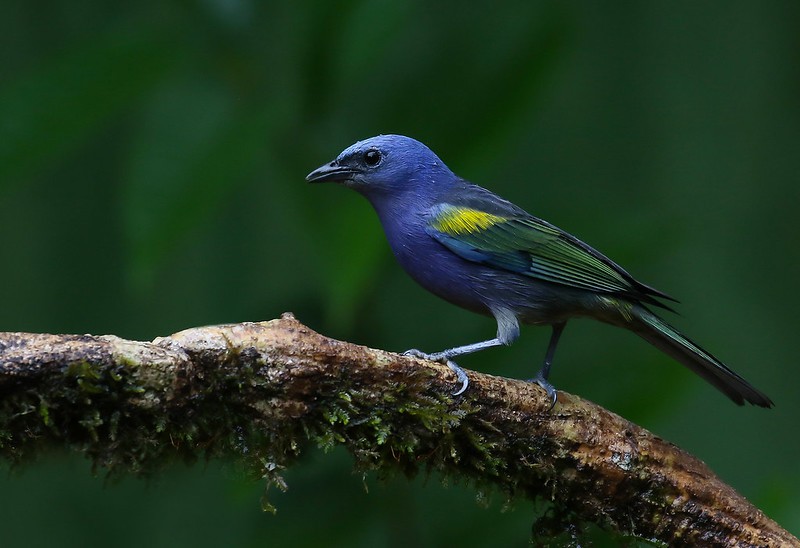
(669, 340)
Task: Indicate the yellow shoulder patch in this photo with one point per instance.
(455, 220)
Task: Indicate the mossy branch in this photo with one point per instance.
(260, 391)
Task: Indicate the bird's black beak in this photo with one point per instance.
(331, 172)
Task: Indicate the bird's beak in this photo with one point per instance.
(332, 172)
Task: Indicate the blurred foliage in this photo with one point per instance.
(152, 158)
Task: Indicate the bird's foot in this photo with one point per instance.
(435, 357)
(548, 388)
(461, 375)
(442, 357)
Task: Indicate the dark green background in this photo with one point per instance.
(151, 179)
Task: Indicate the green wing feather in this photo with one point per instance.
(532, 247)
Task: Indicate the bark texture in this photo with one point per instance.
(261, 392)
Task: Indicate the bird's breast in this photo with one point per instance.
(437, 269)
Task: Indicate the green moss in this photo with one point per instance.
(108, 413)
(92, 421)
(44, 413)
(86, 375)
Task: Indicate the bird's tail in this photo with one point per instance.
(667, 339)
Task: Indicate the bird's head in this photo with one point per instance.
(385, 165)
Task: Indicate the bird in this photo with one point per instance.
(481, 252)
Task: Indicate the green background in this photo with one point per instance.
(151, 179)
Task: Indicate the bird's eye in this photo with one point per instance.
(372, 158)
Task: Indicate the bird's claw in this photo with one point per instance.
(435, 357)
(417, 354)
(552, 393)
(462, 377)
(441, 357)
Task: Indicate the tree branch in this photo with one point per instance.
(261, 391)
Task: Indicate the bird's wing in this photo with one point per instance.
(515, 241)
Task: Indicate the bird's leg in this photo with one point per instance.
(544, 372)
(453, 352)
(445, 355)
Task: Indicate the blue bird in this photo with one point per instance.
(485, 254)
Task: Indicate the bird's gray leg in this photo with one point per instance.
(445, 355)
(507, 333)
(544, 372)
(453, 352)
